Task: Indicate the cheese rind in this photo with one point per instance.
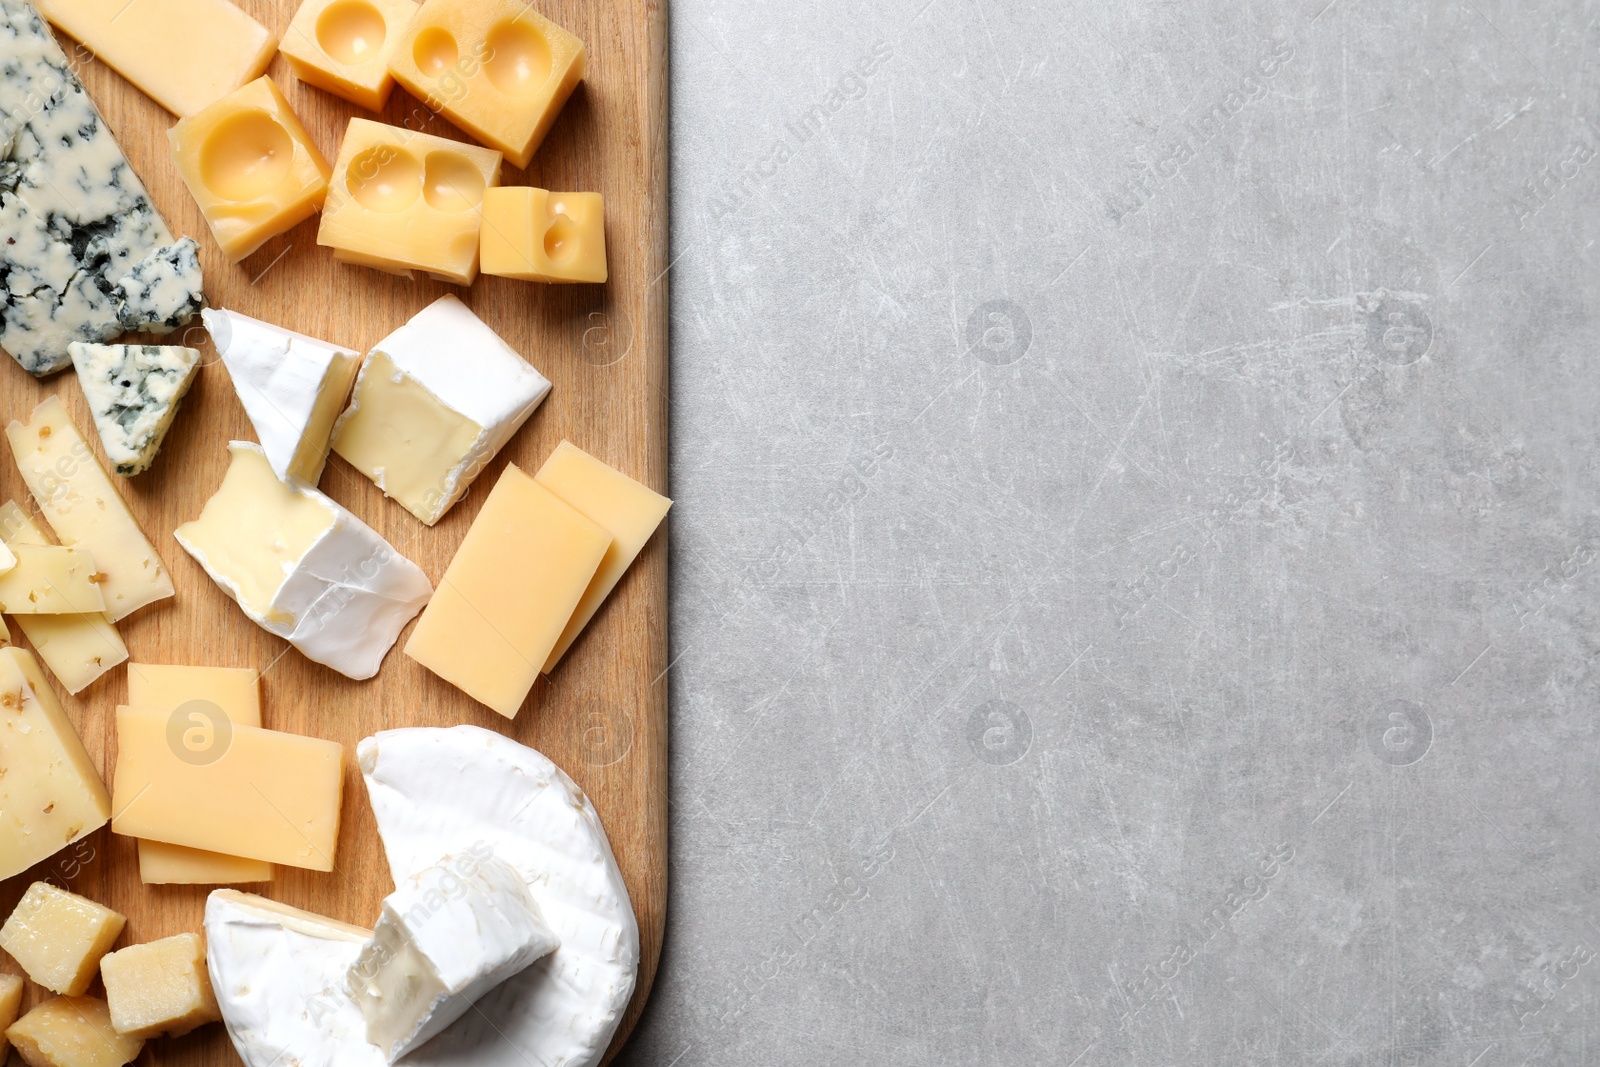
(133, 393)
(435, 402)
(83, 508)
(303, 567)
(72, 1032)
(251, 166)
(343, 46)
(238, 790)
(159, 987)
(59, 937)
(508, 593)
(539, 236)
(50, 580)
(183, 54)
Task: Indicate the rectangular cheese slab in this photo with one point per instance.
(50, 580)
(83, 508)
(508, 593)
(183, 54)
(238, 790)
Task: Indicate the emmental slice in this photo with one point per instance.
(58, 937)
(84, 509)
(72, 1032)
(238, 790)
(508, 593)
(133, 393)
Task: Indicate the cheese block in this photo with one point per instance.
(159, 987)
(183, 54)
(447, 935)
(83, 508)
(540, 236)
(133, 393)
(50, 580)
(59, 937)
(343, 46)
(11, 988)
(72, 1032)
(624, 508)
(292, 388)
(518, 576)
(435, 401)
(304, 568)
(84, 253)
(49, 788)
(238, 790)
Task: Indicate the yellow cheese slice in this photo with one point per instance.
(50, 580)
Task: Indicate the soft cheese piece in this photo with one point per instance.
(50, 791)
(292, 388)
(159, 987)
(133, 393)
(540, 236)
(183, 54)
(83, 508)
(438, 791)
(435, 401)
(74, 221)
(10, 1004)
(238, 790)
(58, 937)
(72, 1032)
(496, 68)
(626, 509)
(343, 46)
(50, 580)
(401, 201)
(503, 601)
(77, 648)
(446, 936)
(250, 165)
(302, 567)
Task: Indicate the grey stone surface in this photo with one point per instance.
(1136, 551)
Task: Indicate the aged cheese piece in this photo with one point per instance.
(72, 1032)
(505, 598)
(627, 510)
(84, 510)
(303, 567)
(58, 937)
(77, 648)
(292, 388)
(250, 166)
(159, 987)
(238, 790)
(50, 580)
(447, 935)
(540, 236)
(496, 68)
(231, 691)
(83, 253)
(434, 402)
(133, 393)
(184, 54)
(402, 201)
(343, 46)
(49, 789)
(10, 1003)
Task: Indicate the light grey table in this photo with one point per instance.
(1136, 551)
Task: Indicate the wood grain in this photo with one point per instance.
(603, 715)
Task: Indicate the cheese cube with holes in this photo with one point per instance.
(50, 791)
(58, 937)
(402, 201)
(436, 400)
(343, 46)
(10, 1004)
(51, 580)
(505, 598)
(72, 1032)
(540, 236)
(496, 68)
(251, 167)
(160, 987)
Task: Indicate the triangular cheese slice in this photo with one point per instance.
(133, 393)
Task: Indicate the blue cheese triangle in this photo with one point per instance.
(133, 393)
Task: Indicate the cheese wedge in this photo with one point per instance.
(133, 393)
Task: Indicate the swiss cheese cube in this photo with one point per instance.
(496, 68)
(402, 201)
(251, 167)
(540, 236)
(343, 46)
(159, 987)
(508, 593)
(58, 937)
(72, 1032)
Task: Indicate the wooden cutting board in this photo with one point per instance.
(603, 715)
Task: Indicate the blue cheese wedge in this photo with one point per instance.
(133, 393)
(84, 256)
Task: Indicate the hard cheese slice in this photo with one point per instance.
(133, 393)
(505, 598)
(238, 790)
(624, 508)
(82, 506)
(50, 580)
